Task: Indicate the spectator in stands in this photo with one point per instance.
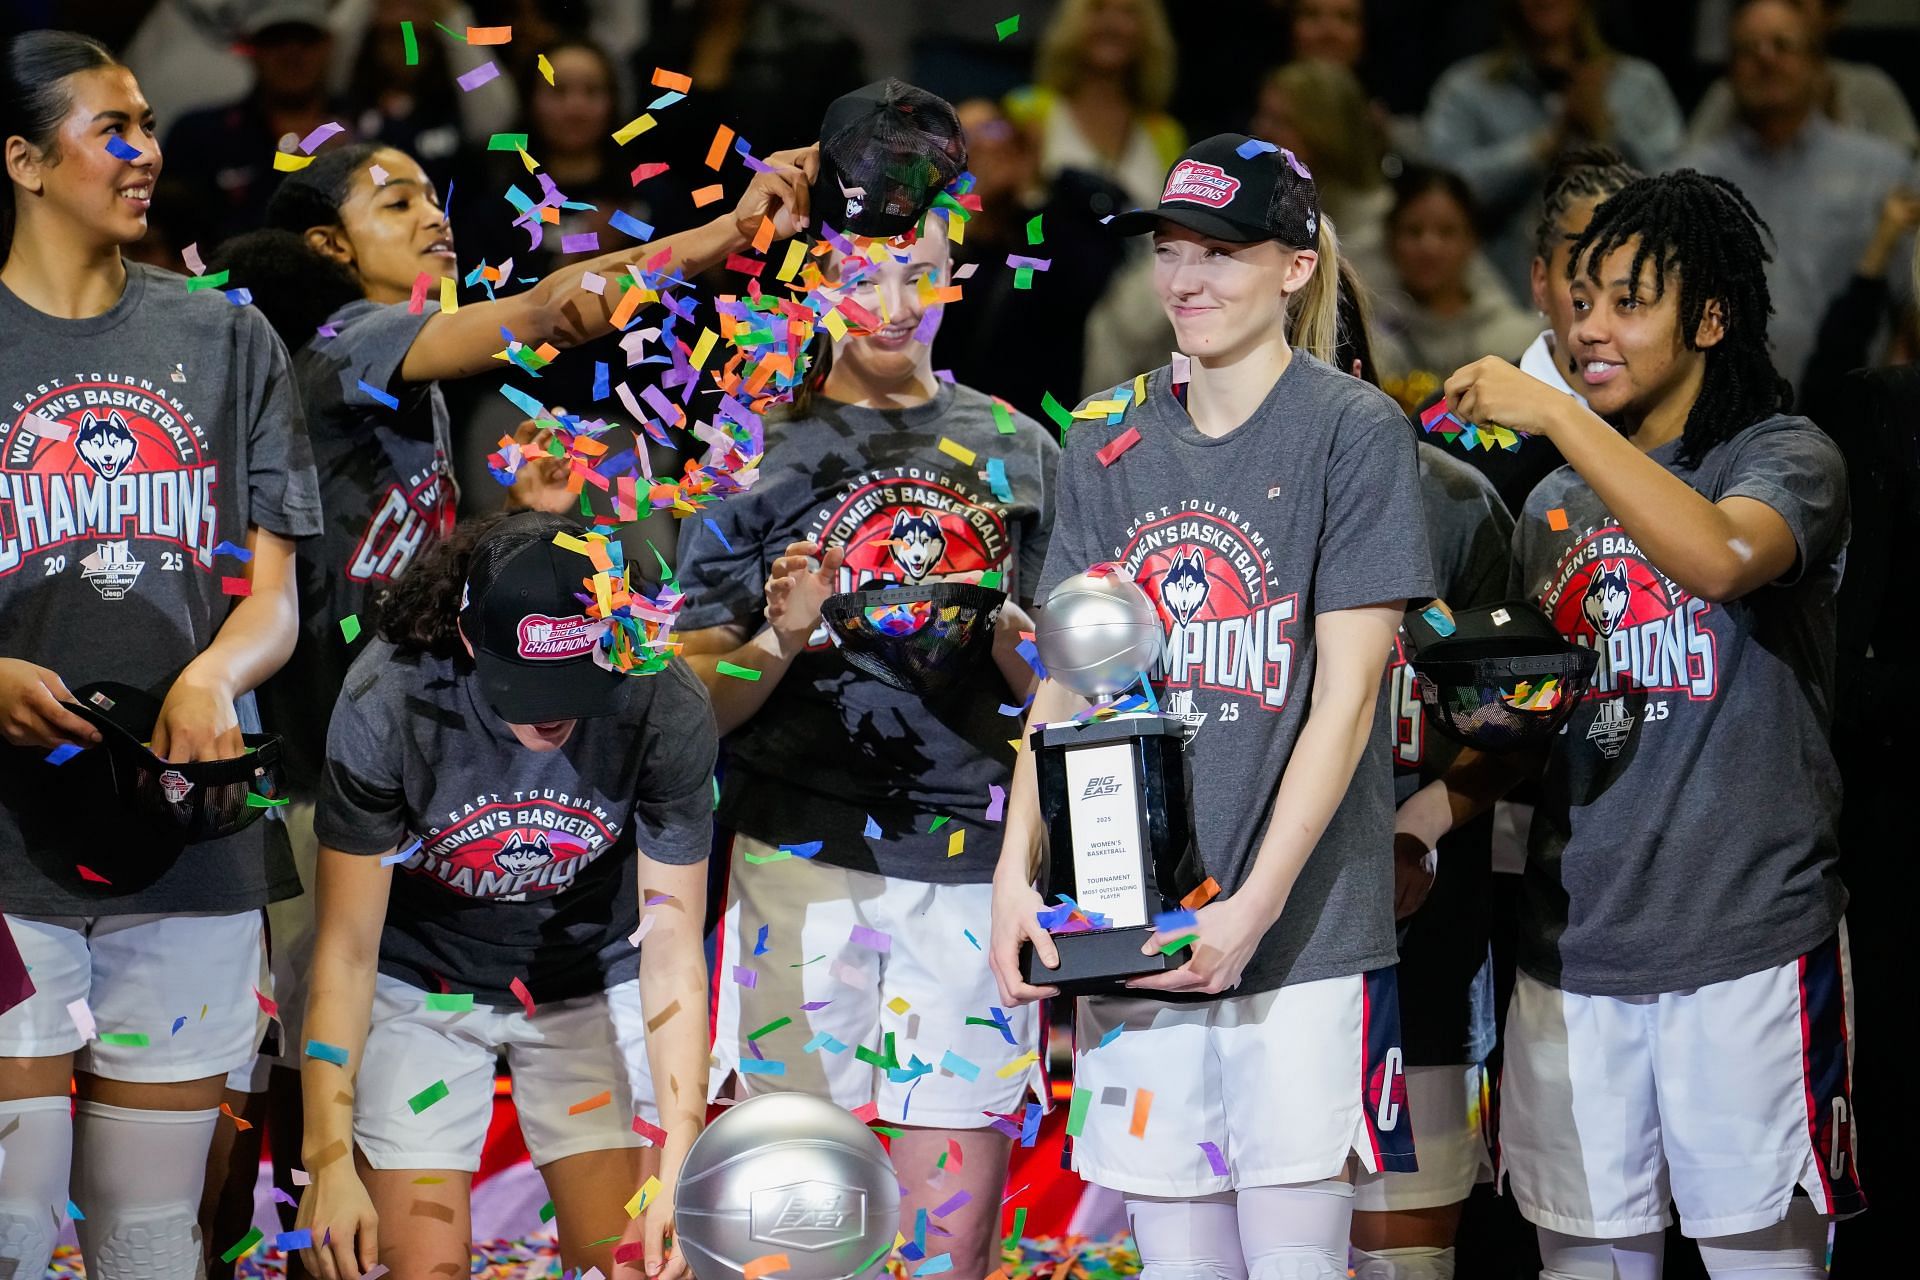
(1439, 314)
(1851, 93)
(420, 108)
(227, 151)
(1818, 184)
(1499, 118)
(991, 339)
(1317, 110)
(1104, 77)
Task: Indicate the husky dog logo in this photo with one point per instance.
(919, 541)
(1185, 587)
(520, 855)
(1607, 597)
(105, 444)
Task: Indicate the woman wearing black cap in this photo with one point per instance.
(866, 817)
(153, 476)
(547, 811)
(1270, 506)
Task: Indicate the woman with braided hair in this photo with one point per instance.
(1680, 1026)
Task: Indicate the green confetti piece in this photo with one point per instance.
(507, 142)
(1019, 1228)
(461, 36)
(1034, 232)
(1002, 419)
(413, 44)
(1186, 939)
(244, 1246)
(1023, 277)
(878, 1254)
(736, 671)
(125, 1039)
(609, 1240)
(770, 1028)
(716, 792)
(761, 859)
(546, 1212)
(804, 963)
(992, 578)
(881, 1128)
(938, 823)
(1077, 1111)
(1006, 27)
(257, 801)
(450, 1001)
(1057, 411)
(350, 627)
(218, 280)
(428, 1096)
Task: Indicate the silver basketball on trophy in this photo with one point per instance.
(1097, 632)
(786, 1173)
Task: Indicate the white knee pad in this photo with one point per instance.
(1297, 1232)
(1403, 1264)
(1575, 1258)
(1795, 1248)
(36, 1148)
(137, 1176)
(1187, 1239)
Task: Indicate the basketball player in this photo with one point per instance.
(879, 474)
(545, 812)
(153, 476)
(1271, 508)
(1680, 1025)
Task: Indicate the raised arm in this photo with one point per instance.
(562, 311)
(797, 586)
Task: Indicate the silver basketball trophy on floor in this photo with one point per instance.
(1113, 792)
(786, 1173)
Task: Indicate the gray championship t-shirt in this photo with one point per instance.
(524, 866)
(835, 754)
(386, 489)
(1311, 505)
(133, 445)
(1686, 827)
(1446, 978)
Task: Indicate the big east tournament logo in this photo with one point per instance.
(99, 459)
(525, 846)
(1211, 576)
(1650, 634)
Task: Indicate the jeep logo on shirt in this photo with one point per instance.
(809, 1215)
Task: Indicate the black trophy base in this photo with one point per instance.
(1098, 962)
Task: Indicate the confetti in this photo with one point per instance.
(450, 1002)
(651, 1132)
(545, 67)
(1214, 1158)
(1057, 411)
(1209, 890)
(760, 944)
(771, 1027)
(376, 395)
(1142, 1104)
(717, 150)
(745, 977)
(312, 141)
(489, 35)
(120, 149)
(1110, 452)
(762, 1067)
(412, 44)
(327, 1052)
(288, 1241)
(1253, 147)
(428, 1096)
(1557, 519)
(954, 1064)
(217, 280)
(480, 75)
(236, 586)
(67, 751)
(82, 1019)
(1035, 234)
(525, 997)
(125, 1039)
(872, 939)
(244, 1246)
(1172, 945)
(1006, 27)
(240, 1125)
(585, 1105)
(632, 129)
(674, 80)
(288, 162)
(705, 196)
(958, 452)
(627, 225)
(956, 842)
(736, 671)
(765, 1264)
(648, 1190)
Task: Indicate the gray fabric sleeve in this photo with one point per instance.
(1797, 470)
(362, 808)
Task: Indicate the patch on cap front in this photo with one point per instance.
(1201, 184)
(546, 639)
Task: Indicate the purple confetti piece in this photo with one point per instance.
(657, 401)
(1035, 264)
(312, 141)
(872, 939)
(585, 242)
(997, 803)
(400, 855)
(473, 79)
(327, 331)
(1214, 1158)
(1294, 163)
(120, 149)
(813, 1005)
(960, 1198)
(281, 1197)
(929, 324)
(745, 977)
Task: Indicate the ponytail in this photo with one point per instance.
(1313, 318)
(34, 99)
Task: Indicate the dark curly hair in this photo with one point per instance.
(1701, 230)
(295, 285)
(1579, 173)
(421, 612)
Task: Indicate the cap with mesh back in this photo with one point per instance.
(533, 643)
(1235, 188)
(886, 153)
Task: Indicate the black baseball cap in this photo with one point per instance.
(897, 147)
(1235, 188)
(525, 613)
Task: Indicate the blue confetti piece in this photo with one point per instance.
(240, 297)
(873, 829)
(762, 1067)
(1174, 921)
(914, 1069)
(823, 1041)
(717, 533)
(935, 1266)
(626, 224)
(970, 938)
(62, 753)
(1030, 1129)
(601, 387)
(73, 1212)
(997, 479)
(120, 149)
(1253, 147)
(400, 855)
(238, 553)
(177, 1024)
(1030, 653)
(960, 1066)
(288, 1241)
(760, 943)
(1110, 1037)
(1002, 1025)
(1437, 618)
(806, 850)
(377, 395)
(327, 1052)
(522, 401)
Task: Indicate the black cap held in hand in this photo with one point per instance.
(1235, 188)
(894, 148)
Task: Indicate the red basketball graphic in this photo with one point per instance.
(1193, 584)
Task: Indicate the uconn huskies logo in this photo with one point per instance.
(106, 444)
(919, 542)
(1185, 587)
(1608, 594)
(520, 855)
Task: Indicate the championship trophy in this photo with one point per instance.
(1113, 792)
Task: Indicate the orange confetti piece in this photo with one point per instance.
(489, 35)
(240, 1124)
(717, 152)
(1209, 890)
(765, 1264)
(585, 1105)
(1557, 519)
(763, 238)
(707, 195)
(664, 79)
(1142, 1104)
(629, 303)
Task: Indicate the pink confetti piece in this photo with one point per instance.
(651, 1132)
(480, 75)
(965, 271)
(524, 996)
(310, 143)
(1182, 368)
(191, 256)
(378, 175)
(83, 1019)
(842, 972)
(646, 927)
(47, 428)
(866, 1112)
